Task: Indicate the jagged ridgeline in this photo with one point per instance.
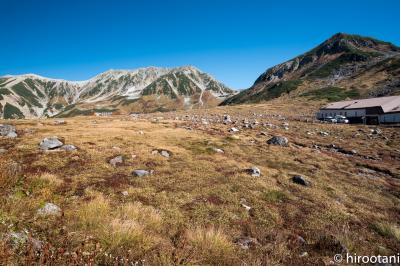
(344, 66)
(142, 90)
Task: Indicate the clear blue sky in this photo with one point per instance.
(234, 40)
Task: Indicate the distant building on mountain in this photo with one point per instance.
(369, 111)
(103, 113)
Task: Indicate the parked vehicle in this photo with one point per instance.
(341, 119)
(330, 119)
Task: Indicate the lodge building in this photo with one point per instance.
(369, 111)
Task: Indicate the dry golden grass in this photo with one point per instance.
(190, 210)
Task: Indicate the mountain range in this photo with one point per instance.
(344, 66)
(142, 90)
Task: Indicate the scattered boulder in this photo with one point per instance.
(117, 161)
(246, 242)
(227, 119)
(125, 193)
(60, 122)
(233, 130)
(217, 150)
(163, 153)
(68, 147)
(254, 171)
(298, 179)
(17, 239)
(324, 133)
(278, 140)
(141, 173)
(49, 209)
(50, 143)
(376, 131)
(8, 131)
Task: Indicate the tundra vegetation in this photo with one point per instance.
(332, 188)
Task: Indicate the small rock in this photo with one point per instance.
(60, 122)
(218, 150)
(12, 135)
(2, 150)
(68, 147)
(227, 119)
(50, 143)
(165, 153)
(116, 161)
(254, 171)
(141, 173)
(125, 193)
(233, 130)
(7, 131)
(303, 254)
(298, 179)
(323, 133)
(49, 209)
(278, 140)
(246, 242)
(376, 131)
(247, 207)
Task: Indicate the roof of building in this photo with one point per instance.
(388, 104)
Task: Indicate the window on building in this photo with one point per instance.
(345, 113)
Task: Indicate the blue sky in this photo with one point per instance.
(235, 40)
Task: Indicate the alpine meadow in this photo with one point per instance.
(222, 133)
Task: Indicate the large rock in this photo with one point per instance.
(50, 143)
(278, 140)
(7, 131)
(49, 209)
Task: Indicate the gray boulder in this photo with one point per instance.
(49, 209)
(50, 143)
(68, 147)
(246, 242)
(298, 179)
(18, 239)
(254, 171)
(7, 131)
(116, 161)
(278, 140)
(164, 153)
(141, 173)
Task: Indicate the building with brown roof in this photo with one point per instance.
(369, 111)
